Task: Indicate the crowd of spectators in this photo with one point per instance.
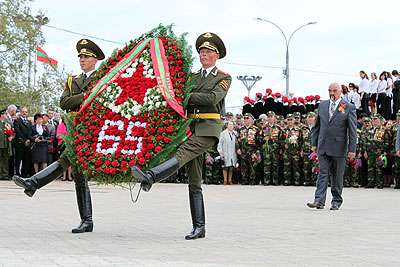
(35, 142)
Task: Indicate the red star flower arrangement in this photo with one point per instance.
(133, 111)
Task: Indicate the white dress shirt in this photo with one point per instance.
(382, 87)
(373, 86)
(208, 70)
(364, 85)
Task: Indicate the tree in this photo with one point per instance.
(20, 33)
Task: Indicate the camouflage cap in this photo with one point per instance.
(367, 119)
(270, 113)
(289, 116)
(310, 114)
(296, 114)
(229, 114)
(261, 121)
(280, 118)
(3, 111)
(239, 116)
(376, 116)
(249, 115)
(398, 113)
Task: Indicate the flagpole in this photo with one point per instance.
(34, 70)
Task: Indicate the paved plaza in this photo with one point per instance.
(246, 226)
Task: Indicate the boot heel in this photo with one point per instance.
(29, 192)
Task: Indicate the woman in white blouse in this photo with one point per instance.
(227, 151)
(373, 89)
(381, 94)
(355, 98)
(389, 96)
(364, 91)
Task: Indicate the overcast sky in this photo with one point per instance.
(349, 36)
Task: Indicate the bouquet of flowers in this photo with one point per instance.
(209, 160)
(356, 163)
(381, 161)
(10, 133)
(133, 112)
(255, 158)
(314, 158)
(291, 141)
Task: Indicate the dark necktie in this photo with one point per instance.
(84, 76)
(204, 74)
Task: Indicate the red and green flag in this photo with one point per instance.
(43, 57)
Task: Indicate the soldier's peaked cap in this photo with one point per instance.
(211, 41)
(89, 48)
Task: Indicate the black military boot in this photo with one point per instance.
(198, 216)
(85, 210)
(156, 174)
(40, 179)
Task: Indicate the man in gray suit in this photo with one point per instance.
(334, 136)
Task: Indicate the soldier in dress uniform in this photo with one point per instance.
(71, 99)
(205, 103)
(292, 140)
(246, 144)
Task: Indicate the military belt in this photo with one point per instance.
(215, 116)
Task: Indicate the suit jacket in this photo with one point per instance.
(34, 132)
(208, 97)
(74, 91)
(22, 131)
(337, 136)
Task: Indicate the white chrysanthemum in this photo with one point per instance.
(165, 103)
(141, 60)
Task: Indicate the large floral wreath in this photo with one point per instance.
(133, 111)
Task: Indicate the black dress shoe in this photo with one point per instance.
(334, 207)
(316, 205)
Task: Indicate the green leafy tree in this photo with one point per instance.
(20, 33)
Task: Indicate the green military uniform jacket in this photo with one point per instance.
(208, 98)
(246, 140)
(375, 140)
(74, 91)
(307, 140)
(3, 137)
(273, 134)
(295, 144)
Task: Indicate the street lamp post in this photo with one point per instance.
(249, 81)
(287, 41)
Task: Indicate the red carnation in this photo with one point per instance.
(81, 160)
(114, 163)
(113, 170)
(170, 129)
(106, 170)
(167, 139)
(157, 149)
(141, 161)
(147, 156)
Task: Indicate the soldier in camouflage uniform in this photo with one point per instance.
(212, 171)
(246, 144)
(309, 177)
(292, 140)
(375, 143)
(363, 170)
(396, 163)
(269, 140)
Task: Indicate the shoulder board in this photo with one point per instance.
(76, 76)
(220, 71)
(196, 72)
